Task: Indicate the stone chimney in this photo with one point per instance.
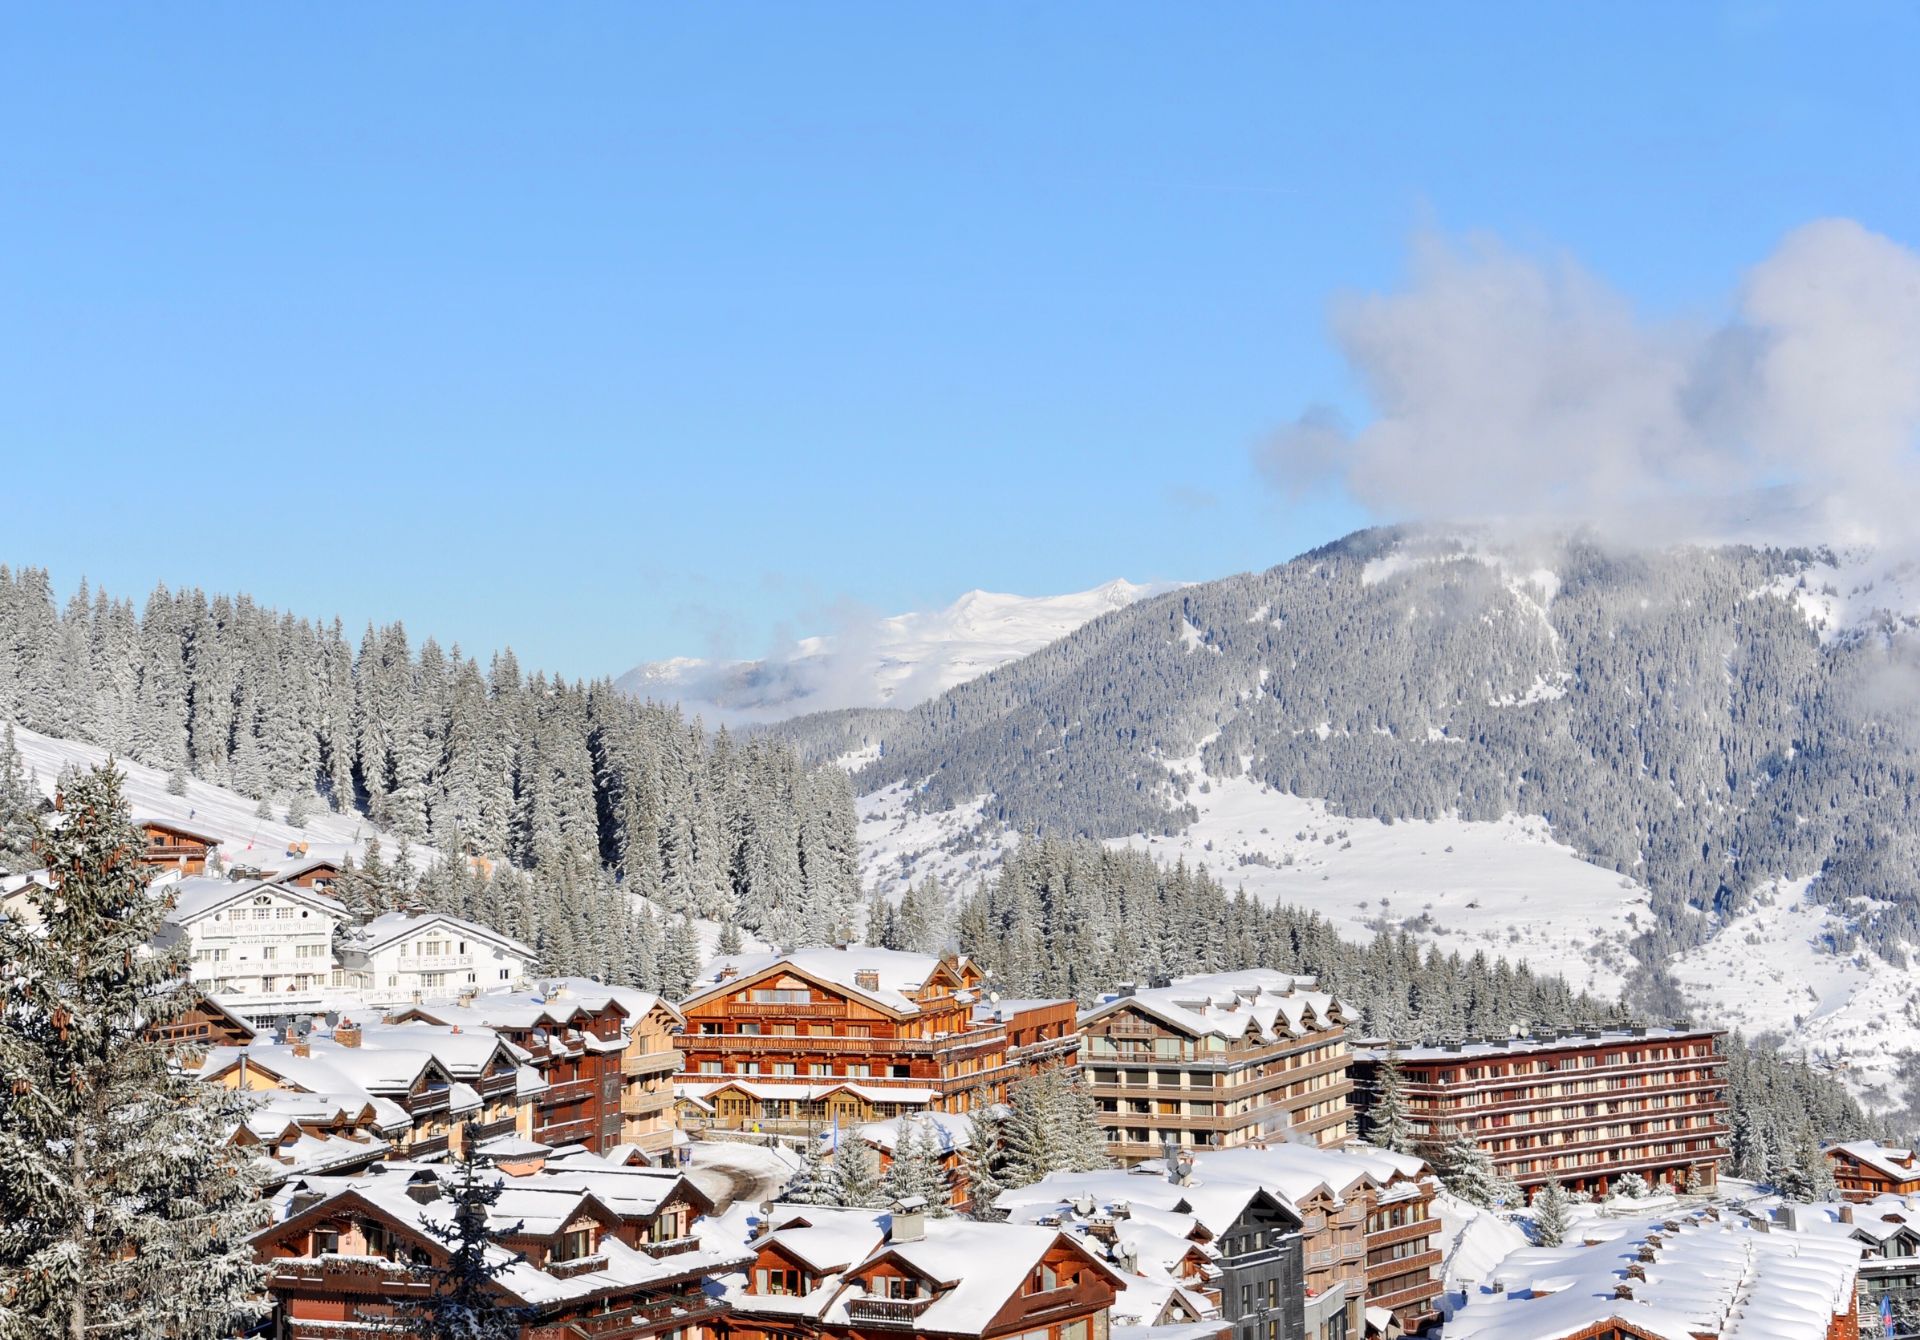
(867, 979)
(301, 1047)
(346, 1034)
(909, 1219)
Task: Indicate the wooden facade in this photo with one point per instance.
(792, 1044)
(172, 846)
(1582, 1110)
(1866, 1170)
(1205, 1064)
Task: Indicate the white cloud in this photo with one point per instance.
(1507, 386)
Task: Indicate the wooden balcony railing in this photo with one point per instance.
(887, 1311)
(671, 1246)
(580, 1265)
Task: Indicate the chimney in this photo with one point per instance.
(728, 973)
(301, 1047)
(346, 1034)
(909, 1219)
(1846, 1213)
(867, 979)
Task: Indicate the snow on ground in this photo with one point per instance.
(213, 810)
(1857, 589)
(899, 846)
(1472, 1242)
(1507, 888)
(1771, 969)
(899, 661)
(731, 1173)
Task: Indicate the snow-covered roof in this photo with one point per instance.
(949, 1131)
(1671, 1278)
(390, 927)
(1891, 1162)
(175, 826)
(897, 974)
(198, 896)
(541, 1204)
(1593, 1037)
(1274, 1005)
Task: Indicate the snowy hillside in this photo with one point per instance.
(1506, 888)
(244, 838)
(893, 662)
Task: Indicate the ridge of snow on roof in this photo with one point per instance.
(1706, 1276)
(1375, 1051)
(897, 972)
(384, 929)
(1226, 1004)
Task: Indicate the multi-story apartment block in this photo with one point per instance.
(862, 1275)
(404, 957)
(265, 949)
(805, 1040)
(1867, 1170)
(605, 1059)
(1582, 1109)
(1209, 1062)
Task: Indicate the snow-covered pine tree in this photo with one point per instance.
(1468, 1171)
(856, 1173)
(464, 1302)
(1389, 1123)
(983, 1162)
(815, 1183)
(1627, 1186)
(177, 782)
(1052, 1127)
(916, 1170)
(1552, 1215)
(729, 939)
(140, 1210)
(679, 957)
(20, 803)
(300, 808)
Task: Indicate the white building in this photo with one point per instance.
(404, 957)
(265, 949)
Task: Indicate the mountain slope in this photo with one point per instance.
(893, 662)
(1691, 726)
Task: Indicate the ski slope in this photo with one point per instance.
(244, 838)
(899, 661)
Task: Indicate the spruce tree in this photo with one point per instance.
(916, 1170)
(1628, 1186)
(465, 1302)
(1388, 1121)
(729, 939)
(815, 1183)
(19, 805)
(128, 1211)
(983, 1163)
(857, 1173)
(1552, 1215)
(1468, 1171)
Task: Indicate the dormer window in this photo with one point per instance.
(574, 1245)
(1044, 1279)
(779, 1282)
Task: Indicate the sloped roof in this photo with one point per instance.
(896, 973)
(1273, 1005)
(385, 929)
(199, 896)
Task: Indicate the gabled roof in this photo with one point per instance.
(1896, 1164)
(393, 926)
(895, 974)
(175, 826)
(201, 897)
(1231, 1005)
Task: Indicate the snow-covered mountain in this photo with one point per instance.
(1583, 757)
(900, 661)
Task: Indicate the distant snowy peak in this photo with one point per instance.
(898, 661)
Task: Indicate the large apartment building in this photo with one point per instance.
(848, 1035)
(1582, 1109)
(1210, 1062)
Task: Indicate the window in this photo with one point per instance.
(1043, 1279)
(326, 1241)
(780, 996)
(574, 1245)
(778, 1282)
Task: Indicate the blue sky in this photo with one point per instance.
(615, 332)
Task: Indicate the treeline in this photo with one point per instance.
(1074, 918)
(577, 785)
(1672, 714)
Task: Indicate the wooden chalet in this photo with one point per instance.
(175, 846)
(1866, 1170)
(801, 1040)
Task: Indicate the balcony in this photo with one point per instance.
(1413, 1232)
(345, 1330)
(887, 1311)
(435, 962)
(652, 1063)
(666, 1247)
(427, 1146)
(627, 1322)
(581, 1265)
(1388, 1269)
(645, 1104)
(1411, 1296)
